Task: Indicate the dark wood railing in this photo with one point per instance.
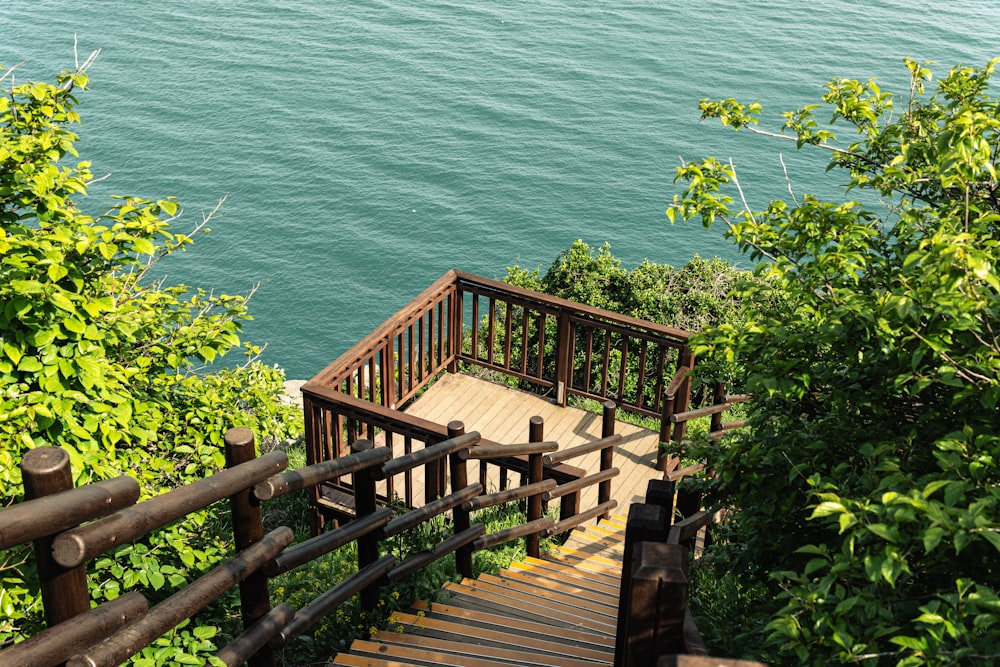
(71, 527)
(548, 344)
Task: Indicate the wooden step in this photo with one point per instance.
(581, 590)
(503, 623)
(558, 611)
(468, 629)
(545, 593)
(593, 559)
(601, 580)
(514, 653)
(518, 603)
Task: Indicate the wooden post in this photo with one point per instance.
(46, 470)
(656, 604)
(248, 529)
(646, 523)
(719, 398)
(607, 454)
(683, 403)
(455, 307)
(532, 542)
(688, 503)
(662, 492)
(460, 518)
(365, 504)
(669, 401)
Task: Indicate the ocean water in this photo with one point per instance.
(364, 148)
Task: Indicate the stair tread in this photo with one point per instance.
(514, 652)
(549, 593)
(524, 604)
(368, 661)
(505, 623)
(563, 572)
(465, 630)
(580, 590)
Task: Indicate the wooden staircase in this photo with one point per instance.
(559, 610)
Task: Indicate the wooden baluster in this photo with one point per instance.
(248, 529)
(46, 470)
(532, 542)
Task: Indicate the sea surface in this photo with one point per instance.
(364, 148)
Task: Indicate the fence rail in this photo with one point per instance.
(111, 517)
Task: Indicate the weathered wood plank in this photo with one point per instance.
(501, 415)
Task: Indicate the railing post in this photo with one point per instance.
(688, 503)
(46, 470)
(607, 454)
(536, 428)
(312, 420)
(683, 403)
(646, 523)
(248, 529)
(455, 327)
(365, 504)
(718, 398)
(669, 400)
(460, 518)
(656, 604)
(564, 358)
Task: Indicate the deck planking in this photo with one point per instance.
(502, 414)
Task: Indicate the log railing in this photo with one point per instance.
(551, 345)
(114, 631)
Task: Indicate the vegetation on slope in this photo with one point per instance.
(867, 486)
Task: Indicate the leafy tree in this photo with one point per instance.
(689, 297)
(100, 358)
(867, 484)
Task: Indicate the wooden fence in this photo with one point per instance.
(71, 527)
(548, 344)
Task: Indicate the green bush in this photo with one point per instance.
(100, 357)
(867, 484)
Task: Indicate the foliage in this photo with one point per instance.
(100, 358)
(689, 298)
(868, 482)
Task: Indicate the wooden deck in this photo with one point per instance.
(502, 414)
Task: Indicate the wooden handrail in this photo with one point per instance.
(505, 451)
(433, 453)
(420, 514)
(553, 302)
(579, 484)
(509, 495)
(32, 519)
(441, 549)
(314, 547)
(54, 645)
(580, 450)
(183, 604)
(317, 473)
(257, 636)
(322, 605)
(78, 545)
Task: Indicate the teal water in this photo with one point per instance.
(367, 147)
